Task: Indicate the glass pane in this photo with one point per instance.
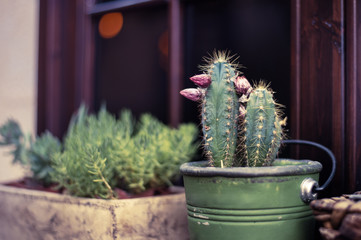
(131, 67)
(258, 31)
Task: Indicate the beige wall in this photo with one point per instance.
(18, 71)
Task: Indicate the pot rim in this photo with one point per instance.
(281, 167)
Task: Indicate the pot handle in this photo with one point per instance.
(315, 188)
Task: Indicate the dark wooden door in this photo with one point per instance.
(325, 80)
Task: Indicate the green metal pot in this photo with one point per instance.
(251, 203)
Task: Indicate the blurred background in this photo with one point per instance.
(92, 61)
(138, 54)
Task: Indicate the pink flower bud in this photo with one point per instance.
(242, 85)
(202, 80)
(192, 94)
(242, 111)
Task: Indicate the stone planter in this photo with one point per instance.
(28, 214)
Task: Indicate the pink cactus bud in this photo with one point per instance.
(192, 94)
(242, 85)
(242, 111)
(202, 80)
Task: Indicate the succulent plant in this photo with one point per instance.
(40, 154)
(12, 135)
(34, 154)
(103, 153)
(241, 124)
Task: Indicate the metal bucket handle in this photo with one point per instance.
(309, 187)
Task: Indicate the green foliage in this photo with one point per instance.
(219, 114)
(12, 135)
(33, 154)
(102, 153)
(39, 155)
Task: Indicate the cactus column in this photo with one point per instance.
(220, 113)
(263, 128)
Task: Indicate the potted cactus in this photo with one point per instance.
(110, 175)
(242, 191)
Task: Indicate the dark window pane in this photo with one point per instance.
(258, 31)
(131, 70)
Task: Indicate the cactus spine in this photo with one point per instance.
(263, 128)
(220, 113)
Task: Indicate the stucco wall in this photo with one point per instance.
(18, 71)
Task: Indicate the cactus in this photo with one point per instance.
(241, 126)
(220, 108)
(262, 128)
(220, 113)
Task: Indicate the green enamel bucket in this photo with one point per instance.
(253, 203)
